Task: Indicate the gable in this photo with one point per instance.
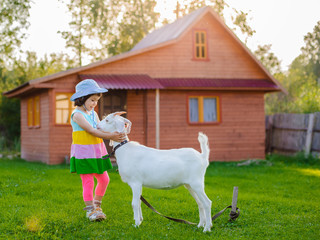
(226, 58)
(169, 32)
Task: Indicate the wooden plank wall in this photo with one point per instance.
(60, 135)
(240, 135)
(288, 133)
(35, 141)
(136, 114)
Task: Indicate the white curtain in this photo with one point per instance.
(209, 109)
(193, 110)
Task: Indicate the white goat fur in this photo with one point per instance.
(161, 169)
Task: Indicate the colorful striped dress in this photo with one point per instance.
(88, 153)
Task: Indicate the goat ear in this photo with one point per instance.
(118, 113)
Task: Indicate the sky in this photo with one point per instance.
(281, 23)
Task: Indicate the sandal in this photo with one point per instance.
(94, 214)
(97, 205)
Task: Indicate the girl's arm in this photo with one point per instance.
(83, 123)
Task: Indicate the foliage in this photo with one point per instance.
(33, 67)
(269, 60)
(9, 108)
(13, 23)
(311, 51)
(20, 72)
(107, 27)
(9, 122)
(301, 80)
(187, 7)
(276, 202)
(303, 92)
(239, 18)
(137, 21)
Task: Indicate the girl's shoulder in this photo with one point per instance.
(77, 112)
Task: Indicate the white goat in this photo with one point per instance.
(161, 169)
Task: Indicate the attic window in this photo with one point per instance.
(203, 109)
(33, 109)
(64, 108)
(200, 45)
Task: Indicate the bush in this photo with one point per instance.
(9, 123)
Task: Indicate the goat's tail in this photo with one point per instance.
(204, 144)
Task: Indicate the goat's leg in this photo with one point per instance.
(198, 188)
(136, 203)
(200, 206)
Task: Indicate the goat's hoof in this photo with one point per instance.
(201, 224)
(207, 229)
(137, 223)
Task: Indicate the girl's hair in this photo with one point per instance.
(81, 100)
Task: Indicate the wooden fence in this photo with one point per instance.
(292, 133)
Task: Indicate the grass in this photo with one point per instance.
(278, 201)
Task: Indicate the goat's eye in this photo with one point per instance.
(107, 120)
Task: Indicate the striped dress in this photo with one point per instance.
(88, 153)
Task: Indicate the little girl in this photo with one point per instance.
(88, 151)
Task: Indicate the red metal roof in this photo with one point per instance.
(143, 81)
(124, 81)
(215, 83)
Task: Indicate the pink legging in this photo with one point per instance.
(88, 185)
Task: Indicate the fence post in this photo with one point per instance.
(309, 134)
(269, 132)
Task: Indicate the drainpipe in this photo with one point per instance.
(157, 118)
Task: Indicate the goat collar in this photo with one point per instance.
(116, 147)
(119, 145)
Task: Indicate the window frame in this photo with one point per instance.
(206, 45)
(33, 112)
(71, 107)
(200, 98)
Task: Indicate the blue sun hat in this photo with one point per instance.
(86, 87)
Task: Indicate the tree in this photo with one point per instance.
(13, 23)
(191, 5)
(138, 19)
(20, 72)
(311, 51)
(32, 67)
(239, 18)
(268, 59)
(108, 27)
(75, 38)
(303, 91)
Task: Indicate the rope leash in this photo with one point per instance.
(234, 214)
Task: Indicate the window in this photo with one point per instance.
(200, 45)
(34, 111)
(204, 109)
(64, 108)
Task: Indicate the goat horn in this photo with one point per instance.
(119, 113)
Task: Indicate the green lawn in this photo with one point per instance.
(280, 201)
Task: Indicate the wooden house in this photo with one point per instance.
(189, 76)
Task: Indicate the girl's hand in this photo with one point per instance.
(118, 137)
